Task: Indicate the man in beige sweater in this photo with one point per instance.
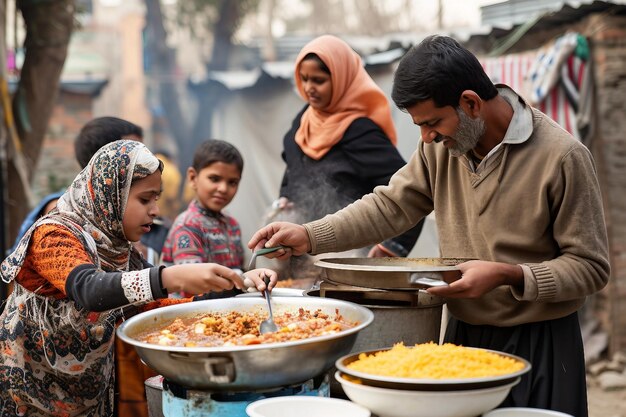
(511, 189)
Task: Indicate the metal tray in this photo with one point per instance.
(414, 384)
(391, 273)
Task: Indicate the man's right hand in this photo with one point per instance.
(285, 234)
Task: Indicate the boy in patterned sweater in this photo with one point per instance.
(203, 233)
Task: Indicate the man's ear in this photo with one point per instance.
(471, 103)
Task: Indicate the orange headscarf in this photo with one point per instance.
(354, 95)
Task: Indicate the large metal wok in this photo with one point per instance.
(245, 368)
(391, 273)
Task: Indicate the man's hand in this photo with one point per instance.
(480, 277)
(286, 234)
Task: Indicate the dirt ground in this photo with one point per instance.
(605, 403)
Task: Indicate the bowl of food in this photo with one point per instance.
(432, 367)
(389, 402)
(429, 380)
(305, 406)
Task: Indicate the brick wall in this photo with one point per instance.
(57, 165)
(608, 39)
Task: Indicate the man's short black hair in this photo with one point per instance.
(439, 68)
(99, 132)
(215, 150)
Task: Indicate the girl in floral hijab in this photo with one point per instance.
(75, 273)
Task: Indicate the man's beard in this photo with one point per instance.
(468, 133)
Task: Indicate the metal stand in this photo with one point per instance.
(177, 401)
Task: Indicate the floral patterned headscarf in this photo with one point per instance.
(93, 207)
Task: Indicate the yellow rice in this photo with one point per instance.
(433, 361)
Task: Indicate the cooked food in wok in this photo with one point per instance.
(235, 328)
(299, 283)
(433, 361)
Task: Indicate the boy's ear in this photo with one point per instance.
(191, 176)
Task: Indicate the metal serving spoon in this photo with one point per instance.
(258, 252)
(268, 325)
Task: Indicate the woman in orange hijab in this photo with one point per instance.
(342, 143)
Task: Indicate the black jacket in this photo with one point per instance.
(363, 159)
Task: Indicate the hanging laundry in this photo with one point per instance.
(556, 79)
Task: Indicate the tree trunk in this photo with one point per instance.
(223, 31)
(163, 69)
(229, 15)
(164, 66)
(371, 17)
(49, 27)
(269, 46)
(209, 94)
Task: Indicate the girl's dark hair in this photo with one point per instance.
(439, 68)
(215, 150)
(313, 57)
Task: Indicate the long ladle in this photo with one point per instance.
(268, 325)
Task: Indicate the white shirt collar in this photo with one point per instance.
(521, 125)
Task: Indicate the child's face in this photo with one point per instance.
(215, 185)
(141, 208)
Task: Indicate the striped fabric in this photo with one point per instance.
(557, 105)
(510, 70)
(555, 79)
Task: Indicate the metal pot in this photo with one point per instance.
(245, 368)
(391, 273)
(409, 317)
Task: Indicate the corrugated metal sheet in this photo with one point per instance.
(237, 80)
(499, 39)
(516, 12)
